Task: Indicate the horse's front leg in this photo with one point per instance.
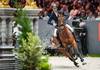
(67, 54)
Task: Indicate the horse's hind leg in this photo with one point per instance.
(77, 52)
(80, 56)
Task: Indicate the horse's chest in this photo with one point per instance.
(62, 32)
(63, 35)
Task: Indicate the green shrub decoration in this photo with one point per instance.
(30, 47)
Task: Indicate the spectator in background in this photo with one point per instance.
(64, 9)
(98, 17)
(83, 37)
(73, 13)
(98, 12)
(82, 12)
(82, 24)
(87, 9)
(90, 16)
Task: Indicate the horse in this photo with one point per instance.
(64, 39)
(61, 47)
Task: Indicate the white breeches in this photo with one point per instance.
(69, 27)
(55, 30)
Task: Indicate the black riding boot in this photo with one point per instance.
(75, 36)
(77, 39)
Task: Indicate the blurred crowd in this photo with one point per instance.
(86, 9)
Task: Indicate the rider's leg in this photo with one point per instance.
(72, 30)
(75, 36)
(69, 27)
(55, 32)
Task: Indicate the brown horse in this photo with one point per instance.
(61, 46)
(65, 38)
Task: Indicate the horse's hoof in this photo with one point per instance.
(76, 64)
(84, 63)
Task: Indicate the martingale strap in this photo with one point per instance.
(60, 27)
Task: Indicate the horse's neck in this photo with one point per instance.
(60, 23)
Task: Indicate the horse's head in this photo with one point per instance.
(60, 18)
